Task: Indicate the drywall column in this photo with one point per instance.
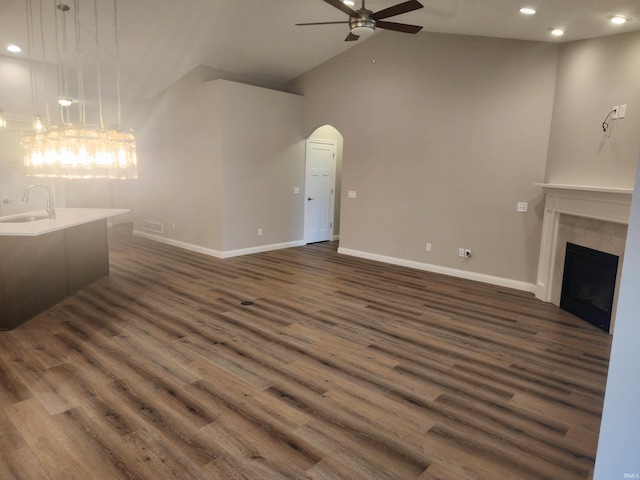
(619, 447)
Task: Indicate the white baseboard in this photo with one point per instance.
(216, 253)
(261, 248)
(453, 272)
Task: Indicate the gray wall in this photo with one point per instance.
(262, 162)
(593, 76)
(179, 163)
(220, 160)
(443, 135)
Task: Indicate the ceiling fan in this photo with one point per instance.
(365, 21)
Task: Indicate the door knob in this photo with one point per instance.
(309, 198)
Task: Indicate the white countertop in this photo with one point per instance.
(65, 218)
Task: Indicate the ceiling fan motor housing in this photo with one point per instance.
(363, 23)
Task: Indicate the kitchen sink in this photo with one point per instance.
(24, 219)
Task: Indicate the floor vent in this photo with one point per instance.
(153, 226)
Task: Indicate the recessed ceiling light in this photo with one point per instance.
(557, 32)
(14, 48)
(528, 10)
(618, 19)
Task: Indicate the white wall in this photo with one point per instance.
(19, 106)
(16, 96)
(619, 445)
(16, 100)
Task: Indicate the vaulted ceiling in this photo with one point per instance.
(161, 40)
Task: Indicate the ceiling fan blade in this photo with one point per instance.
(341, 6)
(351, 37)
(404, 7)
(399, 27)
(322, 23)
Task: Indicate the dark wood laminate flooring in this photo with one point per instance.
(341, 368)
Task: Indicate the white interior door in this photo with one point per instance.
(319, 190)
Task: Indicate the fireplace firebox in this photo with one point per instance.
(588, 284)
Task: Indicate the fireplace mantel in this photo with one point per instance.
(601, 203)
(584, 188)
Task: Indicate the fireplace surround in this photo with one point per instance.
(595, 217)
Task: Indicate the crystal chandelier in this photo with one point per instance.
(76, 149)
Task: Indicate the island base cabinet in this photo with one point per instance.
(36, 272)
(87, 254)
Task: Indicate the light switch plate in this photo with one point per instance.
(623, 111)
(352, 194)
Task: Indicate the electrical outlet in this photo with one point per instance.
(428, 247)
(522, 207)
(614, 115)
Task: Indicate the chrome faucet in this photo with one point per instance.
(51, 211)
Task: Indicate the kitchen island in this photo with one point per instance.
(46, 260)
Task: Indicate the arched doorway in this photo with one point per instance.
(323, 175)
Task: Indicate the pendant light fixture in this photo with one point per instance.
(73, 147)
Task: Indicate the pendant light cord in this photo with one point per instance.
(44, 69)
(82, 110)
(59, 72)
(115, 28)
(95, 5)
(34, 88)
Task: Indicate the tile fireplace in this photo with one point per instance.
(591, 217)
